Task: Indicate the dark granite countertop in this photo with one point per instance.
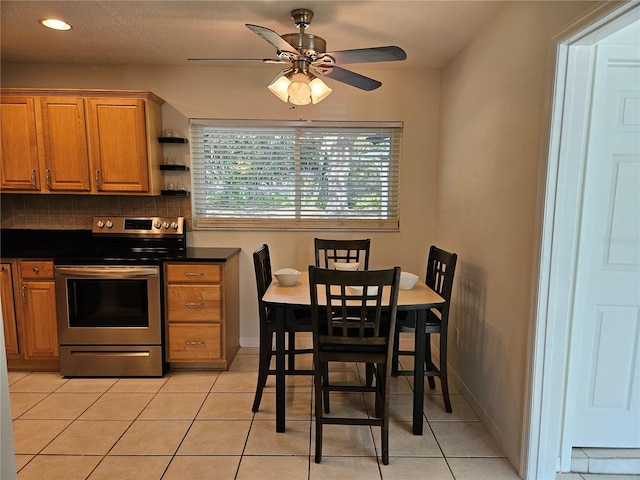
(17, 243)
(213, 254)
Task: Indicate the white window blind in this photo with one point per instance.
(298, 175)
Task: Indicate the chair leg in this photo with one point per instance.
(318, 382)
(430, 367)
(263, 370)
(325, 381)
(380, 389)
(384, 413)
(394, 358)
(292, 351)
(385, 440)
(444, 382)
(370, 369)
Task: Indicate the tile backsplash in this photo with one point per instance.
(75, 212)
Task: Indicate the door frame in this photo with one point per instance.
(560, 190)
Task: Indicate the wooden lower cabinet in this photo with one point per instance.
(29, 312)
(10, 322)
(201, 310)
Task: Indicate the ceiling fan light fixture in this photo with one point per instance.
(299, 87)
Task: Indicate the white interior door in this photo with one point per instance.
(605, 357)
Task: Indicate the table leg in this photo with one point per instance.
(418, 372)
(280, 370)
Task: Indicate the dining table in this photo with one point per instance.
(284, 300)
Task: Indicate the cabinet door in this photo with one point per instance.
(65, 144)
(118, 145)
(8, 311)
(39, 314)
(19, 168)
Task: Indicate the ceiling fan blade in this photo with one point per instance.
(274, 39)
(350, 78)
(263, 60)
(364, 55)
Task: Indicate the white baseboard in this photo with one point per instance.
(249, 341)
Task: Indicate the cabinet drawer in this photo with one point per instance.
(190, 303)
(36, 269)
(194, 342)
(193, 273)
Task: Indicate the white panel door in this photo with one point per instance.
(605, 357)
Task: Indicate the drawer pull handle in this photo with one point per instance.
(194, 305)
(194, 343)
(193, 274)
(34, 184)
(36, 270)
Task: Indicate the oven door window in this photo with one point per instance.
(108, 303)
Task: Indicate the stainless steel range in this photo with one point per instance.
(109, 297)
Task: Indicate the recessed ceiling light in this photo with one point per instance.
(55, 24)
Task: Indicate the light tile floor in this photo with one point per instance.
(199, 425)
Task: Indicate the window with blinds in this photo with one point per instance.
(295, 175)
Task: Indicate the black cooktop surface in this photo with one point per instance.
(113, 255)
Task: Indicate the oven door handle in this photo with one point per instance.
(107, 272)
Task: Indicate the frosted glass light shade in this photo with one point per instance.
(319, 91)
(299, 90)
(278, 87)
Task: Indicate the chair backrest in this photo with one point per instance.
(262, 266)
(329, 251)
(441, 267)
(337, 294)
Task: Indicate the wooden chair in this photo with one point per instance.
(338, 336)
(441, 267)
(300, 323)
(329, 251)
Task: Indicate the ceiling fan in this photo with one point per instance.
(305, 52)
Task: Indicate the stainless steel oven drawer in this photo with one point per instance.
(111, 361)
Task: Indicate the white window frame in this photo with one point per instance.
(372, 146)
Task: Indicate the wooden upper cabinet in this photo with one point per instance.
(118, 144)
(81, 141)
(19, 161)
(66, 154)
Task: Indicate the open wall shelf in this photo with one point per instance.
(176, 168)
(175, 193)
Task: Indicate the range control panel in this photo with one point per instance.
(139, 226)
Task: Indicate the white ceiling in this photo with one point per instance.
(152, 32)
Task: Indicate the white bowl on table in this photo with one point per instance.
(350, 266)
(358, 289)
(408, 280)
(287, 277)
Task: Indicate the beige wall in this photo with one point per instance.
(218, 92)
(492, 142)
